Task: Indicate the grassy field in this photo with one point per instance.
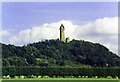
(61, 80)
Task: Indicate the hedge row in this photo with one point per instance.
(60, 71)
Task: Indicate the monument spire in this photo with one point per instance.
(62, 35)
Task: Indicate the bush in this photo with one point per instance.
(60, 72)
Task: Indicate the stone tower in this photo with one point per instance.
(62, 35)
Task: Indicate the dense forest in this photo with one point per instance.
(54, 53)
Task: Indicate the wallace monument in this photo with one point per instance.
(62, 34)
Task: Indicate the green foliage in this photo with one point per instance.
(50, 53)
(62, 71)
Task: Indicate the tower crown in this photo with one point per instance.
(62, 26)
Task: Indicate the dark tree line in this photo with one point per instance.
(61, 71)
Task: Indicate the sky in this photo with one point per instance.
(27, 22)
(60, 0)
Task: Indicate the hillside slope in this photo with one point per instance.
(56, 53)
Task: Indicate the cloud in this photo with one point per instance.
(104, 31)
(45, 31)
(4, 33)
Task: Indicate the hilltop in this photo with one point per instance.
(56, 53)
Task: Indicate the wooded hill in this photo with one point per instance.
(53, 53)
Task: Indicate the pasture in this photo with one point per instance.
(61, 80)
